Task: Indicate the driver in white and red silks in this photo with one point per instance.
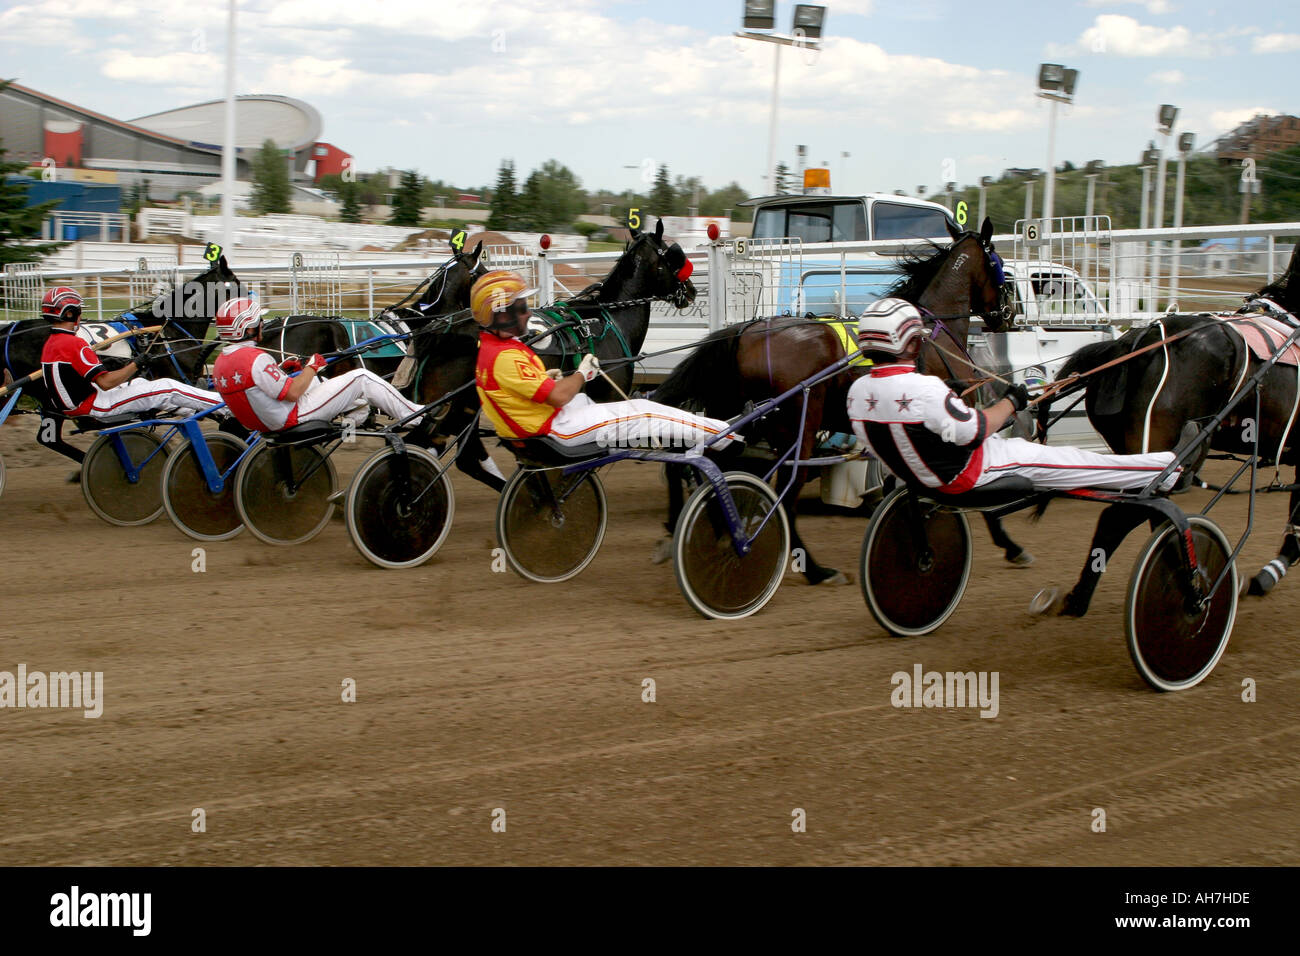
(923, 433)
(265, 397)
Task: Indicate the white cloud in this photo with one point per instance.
(1168, 77)
(1116, 35)
(1276, 43)
(163, 69)
(1156, 7)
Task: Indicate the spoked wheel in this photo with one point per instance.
(108, 491)
(195, 508)
(550, 525)
(2, 476)
(1172, 648)
(714, 579)
(289, 502)
(399, 524)
(914, 569)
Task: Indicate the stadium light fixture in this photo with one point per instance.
(1056, 85)
(759, 15)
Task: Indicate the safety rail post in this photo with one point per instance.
(370, 292)
(99, 297)
(545, 280)
(719, 280)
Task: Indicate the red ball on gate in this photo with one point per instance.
(545, 242)
(713, 232)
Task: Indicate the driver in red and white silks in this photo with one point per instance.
(265, 397)
(523, 399)
(78, 384)
(924, 433)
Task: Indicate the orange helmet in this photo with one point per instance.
(493, 293)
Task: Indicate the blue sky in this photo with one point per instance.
(911, 90)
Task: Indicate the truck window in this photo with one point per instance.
(821, 291)
(1060, 294)
(813, 222)
(895, 221)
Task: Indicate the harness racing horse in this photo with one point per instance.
(177, 350)
(610, 318)
(1144, 404)
(763, 358)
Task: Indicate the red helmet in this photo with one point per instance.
(238, 319)
(57, 302)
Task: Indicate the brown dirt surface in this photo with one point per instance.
(478, 691)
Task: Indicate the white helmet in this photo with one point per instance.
(887, 325)
(238, 319)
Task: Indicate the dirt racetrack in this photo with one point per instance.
(477, 691)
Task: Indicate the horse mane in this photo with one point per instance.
(621, 272)
(919, 270)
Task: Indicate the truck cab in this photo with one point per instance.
(818, 216)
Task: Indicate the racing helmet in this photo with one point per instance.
(493, 293)
(238, 319)
(887, 325)
(58, 302)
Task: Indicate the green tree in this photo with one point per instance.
(406, 201)
(781, 179)
(505, 199)
(662, 199)
(351, 209)
(271, 190)
(729, 197)
(552, 198)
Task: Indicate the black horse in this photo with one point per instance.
(612, 316)
(176, 351)
(1201, 373)
(763, 358)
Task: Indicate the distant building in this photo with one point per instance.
(1257, 137)
(175, 151)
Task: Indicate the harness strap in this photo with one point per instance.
(1146, 421)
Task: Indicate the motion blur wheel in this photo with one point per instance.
(914, 566)
(109, 492)
(714, 579)
(550, 525)
(192, 505)
(398, 524)
(289, 501)
(1174, 647)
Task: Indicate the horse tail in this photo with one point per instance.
(1084, 360)
(708, 379)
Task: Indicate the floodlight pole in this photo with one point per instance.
(778, 40)
(228, 144)
(1049, 187)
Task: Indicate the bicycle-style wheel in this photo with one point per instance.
(914, 566)
(1174, 648)
(193, 506)
(104, 482)
(550, 525)
(715, 580)
(282, 493)
(396, 523)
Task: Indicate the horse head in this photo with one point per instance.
(1285, 289)
(991, 296)
(660, 269)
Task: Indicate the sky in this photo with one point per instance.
(915, 91)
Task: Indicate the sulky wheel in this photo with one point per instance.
(191, 503)
(1174, 648)
(2, 476)
(550, 525)
(914, 564)
(109, 492)
(714, 579)
(283, 492)
(399, 521)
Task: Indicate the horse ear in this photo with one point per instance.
(659, 230)
(952, 229)
(474, 256)
(986, 229)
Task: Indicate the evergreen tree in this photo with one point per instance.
(781, 179)
(406, 201)
(351, 195)
(662, 199)
(19, 220)
(271, 190)
(528, 205)
(505, 199)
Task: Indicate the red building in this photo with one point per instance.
(330, 160)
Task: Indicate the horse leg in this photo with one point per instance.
(1287, 557)
(1113, 526)
(473, 459)
(803, 559)
(1015, 554)
(676, 478)
(49, 433)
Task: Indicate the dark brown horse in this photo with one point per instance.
(763, 358)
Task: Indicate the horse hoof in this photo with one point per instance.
(663, 551)
(74, 477)
(1047, 602)
(839, 577)
(1022, 560)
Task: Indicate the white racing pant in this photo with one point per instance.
(635, 423)
(1067, 467)
(327, 399)
(160, 395)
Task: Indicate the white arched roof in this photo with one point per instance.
(292, 123)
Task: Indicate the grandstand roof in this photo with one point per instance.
(292, 123)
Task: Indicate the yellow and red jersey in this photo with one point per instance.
(512, 384)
